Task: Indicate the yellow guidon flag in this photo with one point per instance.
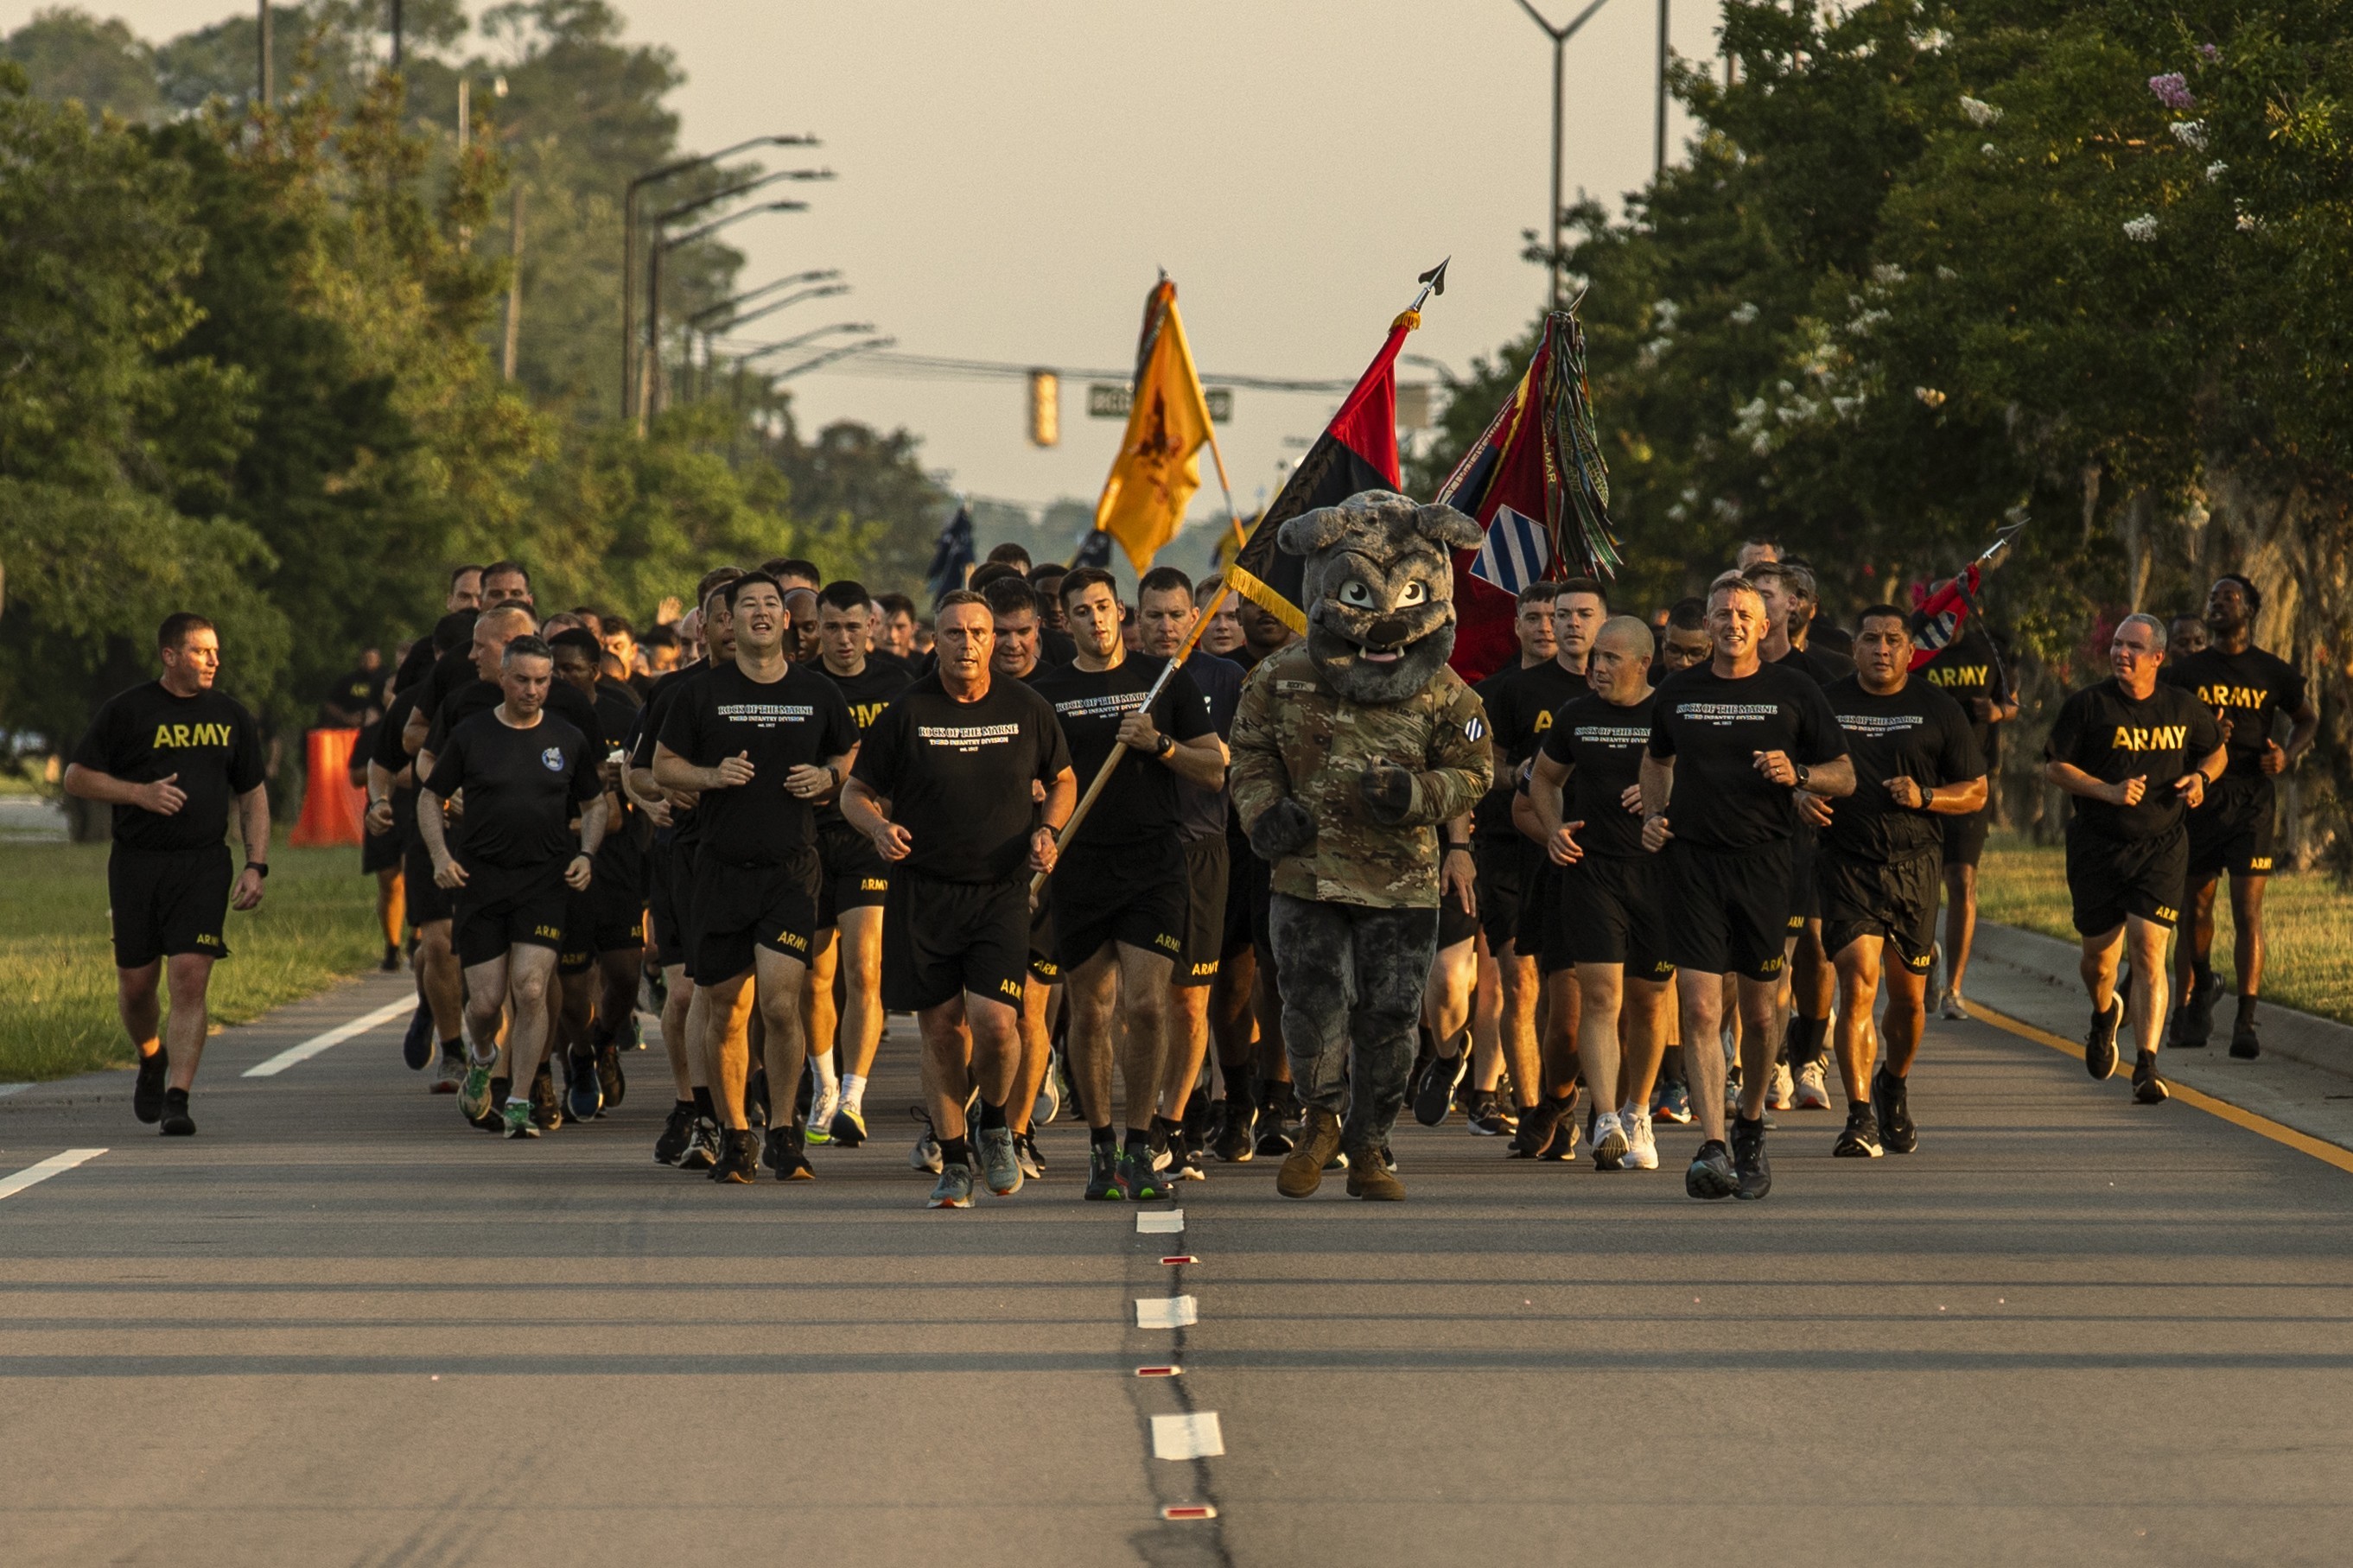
(1159, 463)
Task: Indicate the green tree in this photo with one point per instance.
(67, 53)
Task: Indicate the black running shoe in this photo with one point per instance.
(1488, 1117)
(849, 1129)
(147, 1088)
(178, 1123)
(1233, 1141)
(416, 1046)
(702, 1150)
(1104, 1173)
(1143, 1184)
(584, 1091)
(2147, 1088)
(1861, 1139)
(1273, 1138)
(676, 1130)
(2245, 1044)
(1434, 1096)
(1197, 1120)
(610, 1078)
(739, 1158)
(2193, 1021)
(1748, 1161)
(1711, 1174)
(1891, 1102)
(1538, 1125)
(784, 1155)
(2100, 1041)
(1025, 1154)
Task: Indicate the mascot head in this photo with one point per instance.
(1379, 591)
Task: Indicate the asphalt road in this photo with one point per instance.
(340, 1327)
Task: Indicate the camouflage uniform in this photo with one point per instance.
(1354, 914)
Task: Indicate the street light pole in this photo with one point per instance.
(267, 92)
(1559, 37)
(1659, 141)
(650, 399)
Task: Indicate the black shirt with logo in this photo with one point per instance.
(1713, 726)
(1917, 733)
(2251, 690)
(1967, 667)
(208, 746)
(565, 701)
(683, 829)
(1520, 705)
(1139, 803)
(1201, 813)
(798, 720)
(2112, 736)
(869, 693)
(957, 775)
(523, 788)
(1601, 745)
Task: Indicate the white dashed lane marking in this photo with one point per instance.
(1193, 1436)
(1167, 1313)
(1160, 1222)
(34, 1175)
(335, 1037)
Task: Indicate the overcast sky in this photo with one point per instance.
(1011, 175)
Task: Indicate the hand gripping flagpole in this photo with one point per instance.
(1432, 283)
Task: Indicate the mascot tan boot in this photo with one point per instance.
(1371, 1180)
(1302, 1169)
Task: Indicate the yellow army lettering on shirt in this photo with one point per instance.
(865, 713)
(186, 737)
(2151, 737)
(2248, 697)
(1959, 675)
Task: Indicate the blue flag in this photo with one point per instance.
(1094, 549)
(951, 557)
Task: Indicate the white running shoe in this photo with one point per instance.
(1610, 1142)
(822, 1106)
(925, 1155)
(1953, 1008)
(1778, 1096)
(1049, 1104)
(1814, 1093)
(1641, 1148)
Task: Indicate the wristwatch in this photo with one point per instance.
(1804, 774)
(1167, 744)
(259, 867)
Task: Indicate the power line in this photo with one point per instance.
(935, 367)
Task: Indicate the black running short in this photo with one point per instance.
(1243, 868)
(1727, 911)
(1540, 935)
(1964, 838)
(1205, 914)
(670, 895)
(853, 874)
(498, 909)
(1043, 967)
(2231, 830)
(1894, 899)
(739, 907)
(2108, 878)
(1805, 899)
(1501, 864)
(429, 900)
(1455, 923)
(168, 901)
(1613, 910)
(942, 940)
(1132, 893)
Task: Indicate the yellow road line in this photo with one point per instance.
(2303, 1143)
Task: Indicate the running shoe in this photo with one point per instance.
(1489, 1119)
(738, 1163)
(1195, 1120)
(954, 1189)
(2245, 1042)
(1538, 1125)
(474, 1095)
(1671, 1103)
(547, 1109)
(1610, 1142)
(822, 1107)
(848, 1128)
(784, 1155)
(1953, 1008)
(1001, 1165)
(1813, 1091)
(1642, 1144)
(2148, 1089)
(1107, 1174)
(1711, 1174)
(653, 993)
(1049, 1104)
(448, 1073)
(178, 1123)
(517, 1116)
(676, 1129)
(610, 1078)
(1025, 1151)
(1142, 1183)
(416, 1046)
(584, 1091)
(630, 1038)
(490, 1119)
(1273, 1138)
(1754, 1171)
(2193, 1021)
(1184, 1163)
(1435, 1094)
(147, 1088)
(2100, 1041)
(1891, 1103)
(1859, 1140)
(926, 1154)
(1233, 1140)
(1782, 1091)
(702, 1150)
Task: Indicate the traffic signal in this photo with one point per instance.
(1045, 408)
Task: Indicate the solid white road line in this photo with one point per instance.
(34, 1175)
(335, 1037)
(1193, 1437)
(1159, 1221)
(1167, 1313)
(9, 1089)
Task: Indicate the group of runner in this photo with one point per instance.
(1709, 873)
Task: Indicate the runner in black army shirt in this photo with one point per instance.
(761, 741)
(170, 757)
(604, 928)
(2137, 756)
(2248, 691)
(1731, 742)
(1969, 670)
(1915, 760)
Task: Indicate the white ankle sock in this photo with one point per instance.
(827, 1076)
(853, 1091)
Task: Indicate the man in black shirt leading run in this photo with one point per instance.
(943, 785)
(2138, 755)
(521, 771)
(2249, 691)
(170, 756)
(1915, 761)
(1732, 741)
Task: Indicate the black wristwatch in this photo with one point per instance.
(1167, 743)
(1804, 773)
(1461, 845)
(261, 867)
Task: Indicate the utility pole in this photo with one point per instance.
(514, 287)
(396, 34)
(267, 94)
(1659, 143)
(1559, 37)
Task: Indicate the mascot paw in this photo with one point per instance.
(1283, 828)
(1388, 794)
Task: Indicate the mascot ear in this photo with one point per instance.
(1312, 530)
(1446, 526)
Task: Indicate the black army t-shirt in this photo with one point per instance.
(2105, 732)
(1201, 813)
(1965, 668)
(208, 741)
(957, 775)
(799, 720)
(521, 788)
(1916, 733)
(683, 829)
(2251, 689)
(1520, 705)
(1139, 803)
(1713, 727)
(1601, 745)
(869, 693)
